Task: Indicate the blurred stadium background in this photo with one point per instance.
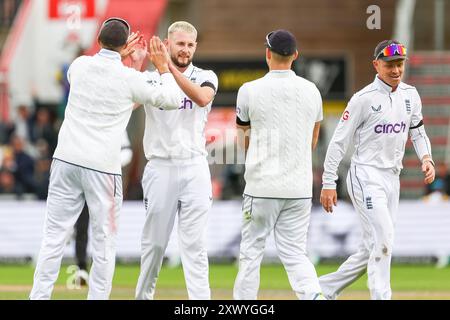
(39, 38)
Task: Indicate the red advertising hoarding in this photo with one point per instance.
(60, 9)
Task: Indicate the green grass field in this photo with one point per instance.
(417, 282)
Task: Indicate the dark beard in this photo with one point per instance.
(179, 64)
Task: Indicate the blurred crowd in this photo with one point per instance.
(27, 144)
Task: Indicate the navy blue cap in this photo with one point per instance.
(282, 42)
(378, 52)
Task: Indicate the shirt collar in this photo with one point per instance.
(383, 86)
(281, 73)
(110, 54)
(189, 70)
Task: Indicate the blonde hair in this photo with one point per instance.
(182, 26)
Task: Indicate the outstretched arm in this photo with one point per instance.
(165, 96)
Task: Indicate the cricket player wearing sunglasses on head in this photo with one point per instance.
(377, 121)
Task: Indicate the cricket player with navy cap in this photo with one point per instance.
(278, 117)
(86, 164)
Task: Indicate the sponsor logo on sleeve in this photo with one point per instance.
(346, 115)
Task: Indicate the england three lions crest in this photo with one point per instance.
(408, 106)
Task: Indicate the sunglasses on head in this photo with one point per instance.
(393, 50)
(117, 19)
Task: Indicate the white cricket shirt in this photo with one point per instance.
(282, 109)
(377, 121)
(102, 94)
(178, 134)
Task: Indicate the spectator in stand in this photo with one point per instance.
(6, 129)
(42, 169)
(24, 167)
(23, 123)
(43, 129)
(65, 85)
(7, 183)
(7, 167)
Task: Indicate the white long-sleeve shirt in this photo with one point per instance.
(178, 134)
(102, 94)
(282, 110)
(377, 122)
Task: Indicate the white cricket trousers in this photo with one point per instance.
(289, 220)
(170, 187)
(375, 196)
(70, 186)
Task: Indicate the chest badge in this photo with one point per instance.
(408, 106)
(378, 109)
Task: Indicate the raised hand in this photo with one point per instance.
(158, 55)
(133, 39)
(140, 51)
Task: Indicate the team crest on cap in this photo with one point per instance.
(408, 106)
(376, 109)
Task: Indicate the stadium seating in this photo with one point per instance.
(429, 73)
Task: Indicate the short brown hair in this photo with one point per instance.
(114, 34)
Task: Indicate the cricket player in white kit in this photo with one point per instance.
(282, 112)
(86, 164)
(177, 178)
(377, 121)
